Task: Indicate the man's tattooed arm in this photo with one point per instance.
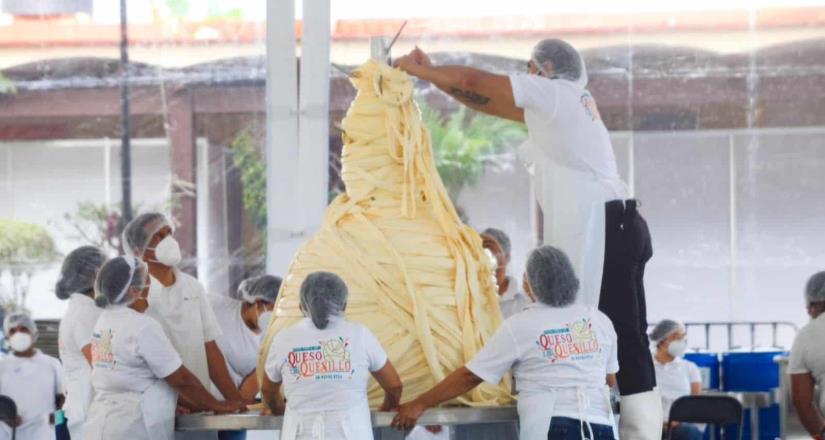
(469, 97)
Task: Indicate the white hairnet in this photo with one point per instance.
(77, 275)
(551, 277)
(815, 288)
(323, 294)
(17, 319)
(560, 58)
(664, 329)
(264, 288)
(139, 232)
(116, 277)
(500, 237)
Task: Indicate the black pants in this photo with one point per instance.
(627, 249)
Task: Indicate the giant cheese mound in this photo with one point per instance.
(418, 277)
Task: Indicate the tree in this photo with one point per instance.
(250, 162)
(465, 142)
(6, 85)
(24, 249)
(97, 225)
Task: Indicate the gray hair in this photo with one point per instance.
(115, 279)
(264, 288)
(664, 329)
(815, 288)
(77, 275)
(139, 232)
(500, 237)
(323, 294)
(17, 319)
(562, 59)
(551, 277)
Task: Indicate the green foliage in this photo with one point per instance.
(464, 141)
(24, 248)
(25, 244)
(6, 85)
(463, 144)
(178, 8)
(97, 224)
(251, 164)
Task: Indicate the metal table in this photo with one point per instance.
(380, 420)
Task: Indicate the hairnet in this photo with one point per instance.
(116, 277)
(663, 329)
(551, 277)
(139, 232)
(79, 271)
(500, 237)
(16, 319)
(264, 288)
(323, 294)
(815, 288)
(562, 59)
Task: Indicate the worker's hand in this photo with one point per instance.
(265, 411)
(413, 62)
(389, 404)
(181, 410)
(420, 57)
(229, 407)
(407, 416)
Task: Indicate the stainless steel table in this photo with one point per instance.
(380, 420)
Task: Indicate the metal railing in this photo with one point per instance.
(730, 326)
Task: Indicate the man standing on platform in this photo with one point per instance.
(587, 212)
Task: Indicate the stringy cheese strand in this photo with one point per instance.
(418, 277)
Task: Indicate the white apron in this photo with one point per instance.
(79, 395)
(149, 415)
(352, 424)
(573, 206)
(535, 412)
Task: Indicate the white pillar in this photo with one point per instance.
(283, 219)
(313, 175)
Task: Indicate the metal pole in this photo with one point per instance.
(126, 147)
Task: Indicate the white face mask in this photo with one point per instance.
(677, 348)
(20, 342)
(263, 320)
(167, 252)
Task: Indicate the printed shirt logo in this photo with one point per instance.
(329, 360)
(102, 356)
(576, 341)
(590, 107)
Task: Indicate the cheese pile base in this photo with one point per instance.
(417, 277)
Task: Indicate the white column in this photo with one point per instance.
(313, 175)
(283, 219)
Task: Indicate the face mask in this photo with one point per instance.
(263, 320)
(20, 342)
(167, 252)
(677, 348)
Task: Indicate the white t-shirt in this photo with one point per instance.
(130, 352)
(564, 124)
(187, 318)
(674, 379)
(808, 354)
(33, 383)
(513, 300)
(239, 345)
(324, 370)
(74, 333)
(554, 350)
